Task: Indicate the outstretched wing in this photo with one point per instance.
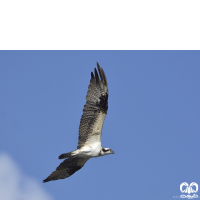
(95, 109)
(67, 168)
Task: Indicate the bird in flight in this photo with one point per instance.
(90, 128)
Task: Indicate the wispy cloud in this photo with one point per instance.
(16, 186)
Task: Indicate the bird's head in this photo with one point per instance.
(106, 151)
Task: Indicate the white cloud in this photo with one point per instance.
(16, 186)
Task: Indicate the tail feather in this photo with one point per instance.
(64, 155)
(70, 154)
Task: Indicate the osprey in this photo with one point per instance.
(91, 124)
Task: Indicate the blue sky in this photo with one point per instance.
(152, 122)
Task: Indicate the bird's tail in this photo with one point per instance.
(65, 155)
(70, 154)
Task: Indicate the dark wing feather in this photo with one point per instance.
(67, 168)
(96, 104)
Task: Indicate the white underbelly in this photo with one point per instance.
(90, 150)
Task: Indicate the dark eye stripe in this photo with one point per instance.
(104, 150)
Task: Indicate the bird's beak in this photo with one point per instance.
(112, 151)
